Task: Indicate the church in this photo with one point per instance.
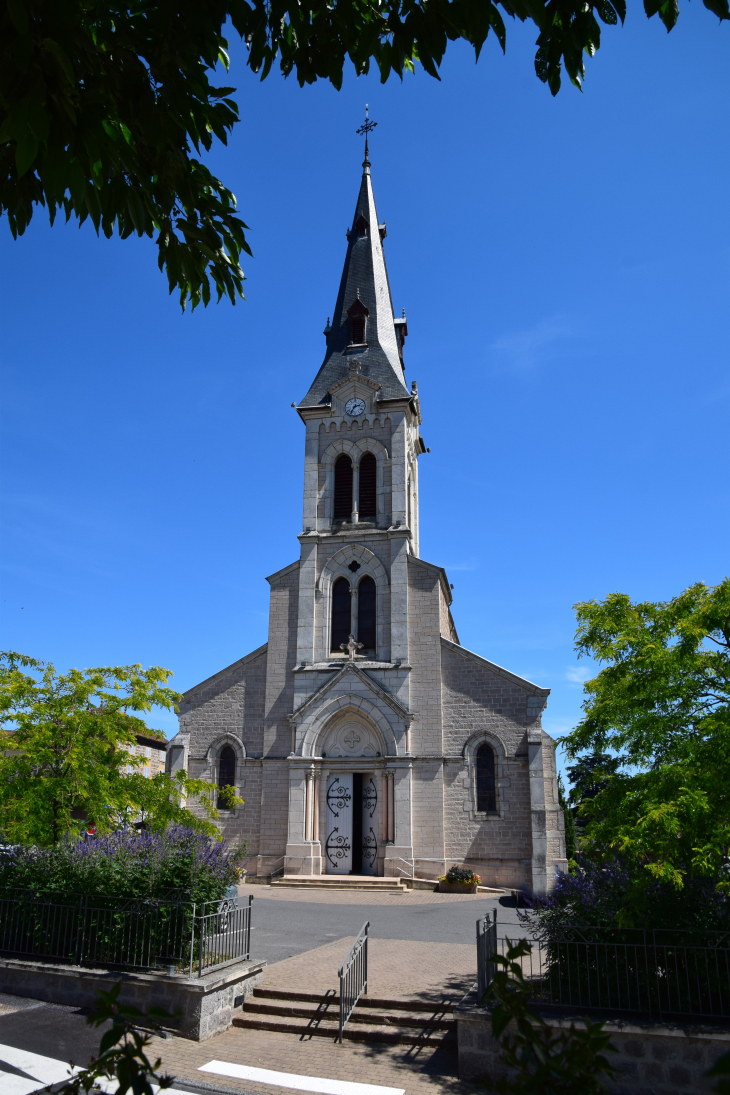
(364, 739)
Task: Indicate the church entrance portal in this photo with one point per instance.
(351, 845)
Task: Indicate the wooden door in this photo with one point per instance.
(338, 843)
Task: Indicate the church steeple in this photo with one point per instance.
(363, 324)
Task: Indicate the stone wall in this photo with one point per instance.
(483, 700)
(650, 1059)
(204, 1006)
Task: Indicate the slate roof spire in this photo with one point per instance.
(364, 279)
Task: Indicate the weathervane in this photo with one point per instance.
(366, 127)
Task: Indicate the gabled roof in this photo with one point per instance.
(364, 271)
(372, 685)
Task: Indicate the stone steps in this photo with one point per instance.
(341, 882)
(375, 1019)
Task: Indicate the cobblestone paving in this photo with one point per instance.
(419, 1070)
(397, 969)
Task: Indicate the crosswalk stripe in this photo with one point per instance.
(45, 1069)
(299, 1083)
(18, 1085)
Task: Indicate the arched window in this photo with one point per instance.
(486, 782)
(226, 772)
(341, 619)
(368, 479)
(343, 489)
(366, 613)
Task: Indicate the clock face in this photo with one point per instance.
(354, 406)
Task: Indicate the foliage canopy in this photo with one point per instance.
(661, 709)
(105, 108)
(64, 758)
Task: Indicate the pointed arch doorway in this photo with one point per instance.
(351, 843)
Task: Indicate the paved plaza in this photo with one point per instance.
(422, 948)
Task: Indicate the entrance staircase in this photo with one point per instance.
(397, 1022)
(342, 882)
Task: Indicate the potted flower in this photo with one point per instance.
(459, 880)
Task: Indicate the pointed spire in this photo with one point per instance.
(363, 305)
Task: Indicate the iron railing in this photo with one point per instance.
(486, 948)
(135, 933)
(353, 974)
(657, 974)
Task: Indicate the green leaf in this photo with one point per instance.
(18, 16)
(61, 57)
(26, 150)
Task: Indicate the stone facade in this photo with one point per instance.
(368, 762)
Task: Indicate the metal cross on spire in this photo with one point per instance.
(366, 127)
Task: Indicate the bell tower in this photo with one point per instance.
(360, 465)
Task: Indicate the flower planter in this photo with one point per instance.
(458, 887)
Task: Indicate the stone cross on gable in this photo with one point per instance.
(352, 647)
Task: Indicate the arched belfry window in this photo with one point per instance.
(226, 772)
(368, 478)
(341, 615)
(343, 489)
(366, 613)
(486, 781)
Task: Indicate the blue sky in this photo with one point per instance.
(564, 267)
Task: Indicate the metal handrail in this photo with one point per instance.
(353, 974)
(411, 863)
(486, 949)
(279, 870)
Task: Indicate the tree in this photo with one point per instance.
(571, 843)
(661, 708)
(102, 105)
(64, 757)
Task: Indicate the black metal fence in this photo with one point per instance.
(657, 974)
(135, 933)
(353, 974)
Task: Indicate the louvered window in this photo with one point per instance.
(366, 613)
(226, 771)
(368, 478)
(341, 620)
(357, 330)
(343, 490)
(486, 782)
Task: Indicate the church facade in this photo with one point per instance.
(362, 736)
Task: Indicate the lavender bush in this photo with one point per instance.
(612, 896)
(127, 864)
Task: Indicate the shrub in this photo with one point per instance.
(460, 874)
(613, 895)
(127, 864)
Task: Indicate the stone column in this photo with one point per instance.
(353, 606)
(538, 818)
(355, 491)
(309, 806)
(303, 852)
(400, 844)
